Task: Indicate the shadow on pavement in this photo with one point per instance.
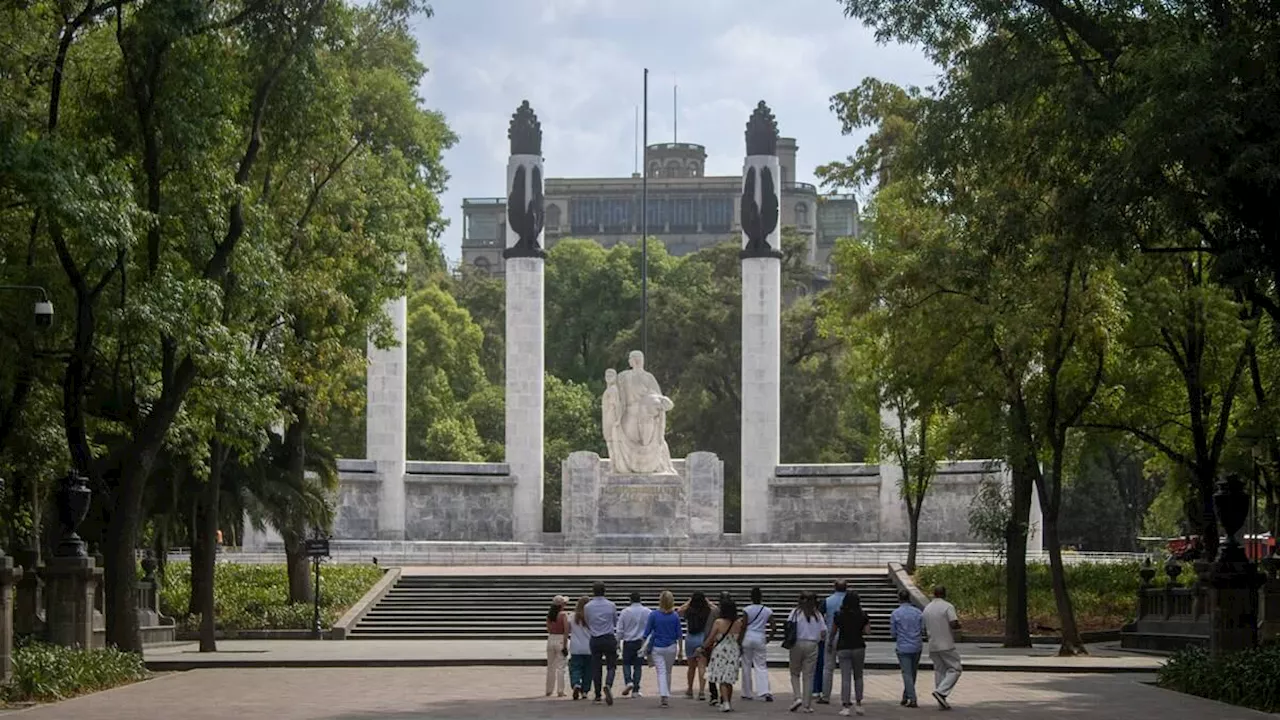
(1102, 697)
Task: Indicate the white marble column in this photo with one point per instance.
(526, 327)
(385, 424)
(761, 323)
(893, 519)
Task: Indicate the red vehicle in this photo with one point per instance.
(1256, 547)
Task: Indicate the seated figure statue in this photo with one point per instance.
(634, 415)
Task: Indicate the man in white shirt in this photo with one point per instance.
(602, 622)
(631, 625)
(941, 622)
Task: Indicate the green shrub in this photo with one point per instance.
(1103, 594)
(45, 673)
(255, 597)
(1248, 679)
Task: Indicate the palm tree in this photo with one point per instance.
(291, 487)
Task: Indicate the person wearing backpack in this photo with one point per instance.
(755, 668)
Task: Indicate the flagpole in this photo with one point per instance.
(644, 226)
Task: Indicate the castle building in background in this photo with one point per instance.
(687, 210)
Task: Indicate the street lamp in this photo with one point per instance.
(43, 308)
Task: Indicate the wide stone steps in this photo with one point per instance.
(502, 608)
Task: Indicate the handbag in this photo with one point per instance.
(789, 632)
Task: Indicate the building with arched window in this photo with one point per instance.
(687, 209)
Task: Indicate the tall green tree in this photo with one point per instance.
(1029, 307)
(1185, 370)
(179, 164)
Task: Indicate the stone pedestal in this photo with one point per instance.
(9, 575)
(761, 389)
(1271, 611)
(70, 586)
(1233, 589)
(601, 509)
(28, 598)
(524, 392)
(385, 422)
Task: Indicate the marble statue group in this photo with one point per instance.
(634, 421)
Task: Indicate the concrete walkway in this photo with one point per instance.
(1103, 658)
(457, 693)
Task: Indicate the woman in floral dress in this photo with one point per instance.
(725, 647)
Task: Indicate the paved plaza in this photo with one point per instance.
(1103, 658)
(479, 692)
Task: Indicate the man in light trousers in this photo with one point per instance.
(941, 622)
(631, 625)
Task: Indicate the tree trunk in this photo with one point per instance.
(207, 526)
(160, 546)
(299, 569)
(1208, 523)
(121, 569)
(913, 536)
(197, 558)
(295, 447)
(1071, 642)
(1017, 631)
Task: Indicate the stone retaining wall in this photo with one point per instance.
(862, 503)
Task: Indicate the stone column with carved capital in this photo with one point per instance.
(526, 332)
(761, 321)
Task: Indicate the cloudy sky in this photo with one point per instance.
(580, 64)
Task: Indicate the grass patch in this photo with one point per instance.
(255, 597)
(48, 673)
(1104, 595)
(1248, 679)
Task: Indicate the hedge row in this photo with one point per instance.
(255, 597)
(1102, 594)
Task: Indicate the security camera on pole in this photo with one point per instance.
(526, 332)
(761, 321)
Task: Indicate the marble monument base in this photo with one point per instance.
(600, 509)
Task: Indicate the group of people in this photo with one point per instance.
(724, 643)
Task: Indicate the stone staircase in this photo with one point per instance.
(435, 607)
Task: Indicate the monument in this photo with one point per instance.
(634, 415)
(761, 323)
(639, 496)
(526, 325)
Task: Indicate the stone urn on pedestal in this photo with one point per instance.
(72, 576)
(73, 505)
(1233, 579)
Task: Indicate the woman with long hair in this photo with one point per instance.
(810, 629)
(557, 645)
(755, 669)
(723, 647)
(850, 629)
(697, 614)
(663, 635)
(579, 649)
